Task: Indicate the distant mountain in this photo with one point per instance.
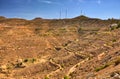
(38, 21)
(37, 18)
(81, 17)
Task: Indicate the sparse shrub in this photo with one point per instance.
(79, 30)
(94, 32)
(46, 77)
(33, 60)
(37, 29)
(58, 48)
(118, 26)
(77, 65)
(72, 29)
(50, 29)
(101, 67)
(9, 66)
(65, 44)
(57, 34)
(112, 28)
(63, 30)
(18, 65)
(66, 77)
(62, 65)
(115, 26)
(26, 60)
(114, 73)
(117, 62)
(114, 40)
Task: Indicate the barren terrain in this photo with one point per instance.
(77, 48)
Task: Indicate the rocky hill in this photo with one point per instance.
(77, 48)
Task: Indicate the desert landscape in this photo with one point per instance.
(76, 48)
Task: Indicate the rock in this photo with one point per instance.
(100, 56)
(116, 76)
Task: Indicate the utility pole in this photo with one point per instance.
(66, 13)
(60, 14)
(81, 12)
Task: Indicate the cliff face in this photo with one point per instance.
(78, 48)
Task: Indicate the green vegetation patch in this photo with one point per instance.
(101, 67)
(66, 77)
(46, 77)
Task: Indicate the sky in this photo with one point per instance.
(55, 9)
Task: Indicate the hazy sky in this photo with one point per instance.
(30, 9)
